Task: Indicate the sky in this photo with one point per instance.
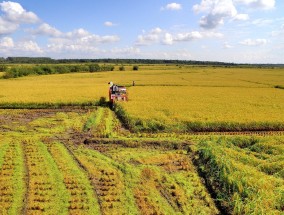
(238, 31)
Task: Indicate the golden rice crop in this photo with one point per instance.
(165, 94)
(171, 104)
(84, 87)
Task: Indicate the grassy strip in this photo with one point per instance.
(102, 123)
(240, 186)
(109, 124)
(94, 120)
(18, 181)
(82, 199)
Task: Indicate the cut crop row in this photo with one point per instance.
(12, 185)
(165, 181)
(82, 198)
(47, 193)
(108, 181)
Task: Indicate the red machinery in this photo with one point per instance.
(117, 93)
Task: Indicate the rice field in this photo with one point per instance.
(48, 167)
(51, 173)
(174, 106)
(169, 98)
(144, 156)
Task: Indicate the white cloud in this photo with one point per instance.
(128, 51)
(109, 24)
(227, 46)
(83, 36)
(28, 46)
(216, 7)
(156, 31)
(79, 40)
(19, 48)
(188, 36)
(149, 38)
(262, 22)
(168, 39)
(210, 21)
(176, 54)
(158, 35)
(15, 13)
(195, 35)
(258, 4)
(7, 27)
(204, 6)
(46, 29)
(241, 17)
(77, 33)
(217, 11)
(6, 43)
(172, 6)
(254, 42)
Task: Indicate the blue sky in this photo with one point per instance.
(241, 31)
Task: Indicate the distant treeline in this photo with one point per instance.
(20, 71)
(47, 60)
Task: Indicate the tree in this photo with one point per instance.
(135, 67)
(94, 68)
(3, 68)
(121, 68)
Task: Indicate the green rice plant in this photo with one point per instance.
(93, 120)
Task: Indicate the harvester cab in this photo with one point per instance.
(117, 93)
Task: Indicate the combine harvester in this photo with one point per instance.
(116, 93)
